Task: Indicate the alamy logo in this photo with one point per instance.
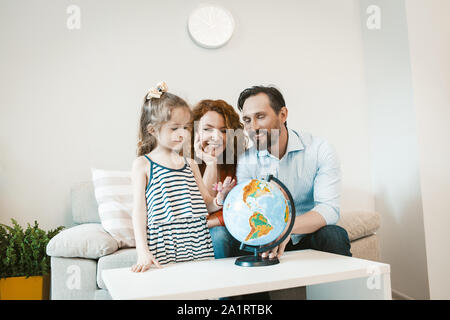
(374, 19)
(73, 281)
(74, 18)
(374, 279)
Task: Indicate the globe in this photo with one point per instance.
(256, 212)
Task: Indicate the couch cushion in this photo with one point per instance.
(87, 240)
(123, 258)
(84, 205)
(114, 195)
(367, 248)
(359, 223)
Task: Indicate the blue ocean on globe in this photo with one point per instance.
(256, 212)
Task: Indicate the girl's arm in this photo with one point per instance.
(210, 177)
(210, 201)
(139, 217)
(211, 170)
(138, 178)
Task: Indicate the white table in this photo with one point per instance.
(325, 275)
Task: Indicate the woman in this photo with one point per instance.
(216, 149)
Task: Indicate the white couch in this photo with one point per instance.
(80, 253)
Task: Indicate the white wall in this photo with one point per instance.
(394, 152)
(429, 38)
(70, 99)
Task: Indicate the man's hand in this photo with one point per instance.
(278, 250)
(306, 223)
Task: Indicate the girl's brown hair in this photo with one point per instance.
(154, 113)
(232, 121)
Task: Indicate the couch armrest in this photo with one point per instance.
(73, 278)
(359, 224)
(87, 240)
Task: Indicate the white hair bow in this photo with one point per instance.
(158, 91)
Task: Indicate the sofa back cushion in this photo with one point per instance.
(113, 192)
(84, 205)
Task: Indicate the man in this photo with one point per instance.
(307, 165)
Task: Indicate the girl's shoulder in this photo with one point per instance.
(194, 167)
(191, 162)
(140, 160)
(140, 164)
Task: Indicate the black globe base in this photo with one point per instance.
(255, 261)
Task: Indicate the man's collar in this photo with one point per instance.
(294, 144)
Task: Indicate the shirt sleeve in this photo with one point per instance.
(327, 184)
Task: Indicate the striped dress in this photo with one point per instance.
(176, 215)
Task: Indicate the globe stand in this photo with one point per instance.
(256, 260)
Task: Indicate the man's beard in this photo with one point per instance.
(269, 142)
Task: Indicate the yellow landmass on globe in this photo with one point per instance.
(259, 226)
(286, 212)
(254, 190)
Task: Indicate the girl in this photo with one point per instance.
(170, 200)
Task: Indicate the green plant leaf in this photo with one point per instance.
(23, 251)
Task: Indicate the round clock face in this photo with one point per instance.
(211, 26)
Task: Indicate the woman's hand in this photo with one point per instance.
(209, 157)
(223, 188)
(144, 261)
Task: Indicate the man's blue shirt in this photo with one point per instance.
(310, 169)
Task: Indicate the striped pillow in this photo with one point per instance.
(113, 192)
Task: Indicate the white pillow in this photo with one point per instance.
(113, 192)
(87, 240)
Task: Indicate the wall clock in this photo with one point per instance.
(210, 26)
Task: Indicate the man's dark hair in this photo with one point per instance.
(275, 97)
